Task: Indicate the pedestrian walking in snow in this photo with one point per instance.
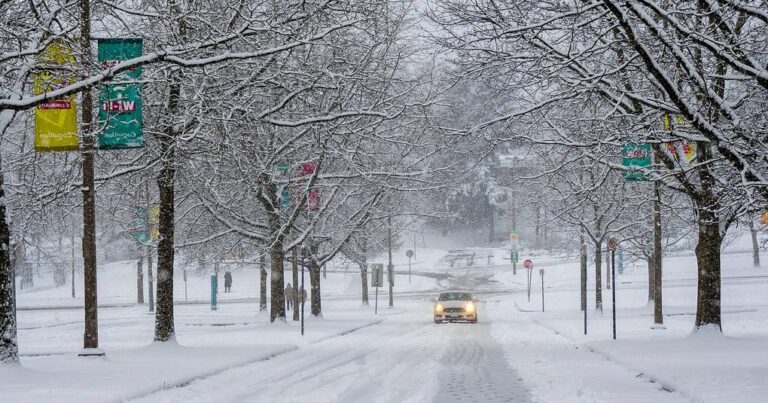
(289, 294)
(227, 282)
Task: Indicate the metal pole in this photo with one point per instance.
(529, 283)
(409, 270)
(613, 290)
(584, 284)
(185, 286)
(301, 290)
(542, 291)
(376, 304)
(91, 336)
(390, 267)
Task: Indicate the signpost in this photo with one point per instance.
(514, 256)
(377, 280)
(612, 247)
(409, 253)
(528, 264)
(764, 218)
(584, 283)
(541, 273)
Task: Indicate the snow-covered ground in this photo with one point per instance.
(516, 353)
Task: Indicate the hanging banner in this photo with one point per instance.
(676, 122)
(684, 151)
(636, 156)
(55, 119)
(120, 100)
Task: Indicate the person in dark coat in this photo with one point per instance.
(289, 293)
(227, 282)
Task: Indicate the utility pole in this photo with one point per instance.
(295, 302)
(613, 290)
(73, 260)
(584, 279)
(303, 300)
(390, 266)
(658, 314)
(91, 336)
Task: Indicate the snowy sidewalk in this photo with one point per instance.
(128, 373)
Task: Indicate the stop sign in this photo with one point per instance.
(409, 253)
(528, 264)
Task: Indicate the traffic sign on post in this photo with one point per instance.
(528, 264)
(612, 244)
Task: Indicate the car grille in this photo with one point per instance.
(454, 310)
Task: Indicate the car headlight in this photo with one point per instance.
(439, 308)
(470, 307)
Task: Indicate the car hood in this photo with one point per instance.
(453, 304)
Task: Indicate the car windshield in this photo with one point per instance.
(455, 296)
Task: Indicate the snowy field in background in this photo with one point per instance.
(399, 354)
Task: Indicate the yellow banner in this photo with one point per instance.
(55, 119)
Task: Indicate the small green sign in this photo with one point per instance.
(281, 168)
(514, 256)
(120, 101)
(636, 157)
(284, 197)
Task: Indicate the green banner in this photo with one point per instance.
(120, 100)
(636, 156)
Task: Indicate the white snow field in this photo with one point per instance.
(516, 353)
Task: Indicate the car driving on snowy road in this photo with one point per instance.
(455, 306)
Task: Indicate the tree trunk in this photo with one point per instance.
(262, 282)
(708, 260)
(755, 246)
(140, 277)
(314, 286)
(708, 248)
(277, 289)
(164, 319)
(150, 280)
(364, 282)
(651, 281)
(364, 271)
(9, 349)
(296, 297)
(598, 277)
(491, 222)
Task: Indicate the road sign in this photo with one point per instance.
(541, 272)
(409, 253)
(528, 264)
(764, 218)
(514, 256)
(636, 157)
(377, 275)
(612, 244)
(513, 236)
